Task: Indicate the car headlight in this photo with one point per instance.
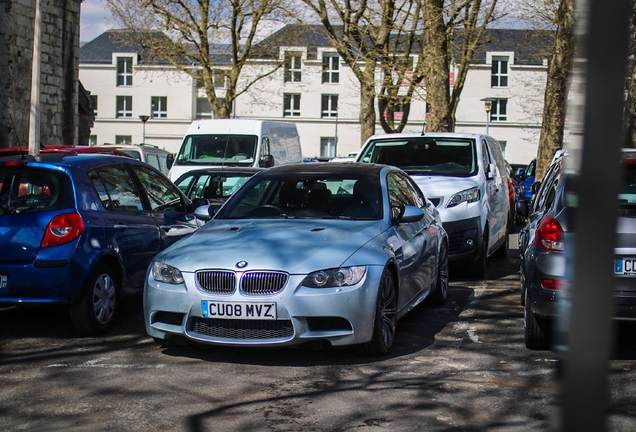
(468, 195)
(165, 273)
(343, 276)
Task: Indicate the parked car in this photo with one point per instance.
(519, 171)
(334, 252)
(465, 176)
(153, 155)
(215, 185)
(514, 192)
(542, 250)
(237, 142)
(528, 181)
(81, 230)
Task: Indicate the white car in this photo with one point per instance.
(465, 177)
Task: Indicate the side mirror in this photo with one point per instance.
(205, 212)
(409, 214)
(535, 187)
(491, 171)
(170, 160)
(267, 161)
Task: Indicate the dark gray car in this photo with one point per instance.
(542, 251)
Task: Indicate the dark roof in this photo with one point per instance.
(100, 49)
(300, 35)
(530, 46)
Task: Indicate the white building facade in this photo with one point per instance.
(314, 89)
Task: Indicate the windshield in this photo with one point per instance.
(212, 186)
(628, 186)
(25, 190)
(133, 153)
(531, 168)
(222, 149)
(425, 155)
(307, 196)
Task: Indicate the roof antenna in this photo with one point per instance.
(424, 127)
(17, 137)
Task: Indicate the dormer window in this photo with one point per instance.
(330, 68)
(293, 72)
(124, 71)
(499, 74)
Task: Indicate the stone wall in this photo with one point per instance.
(59, 71)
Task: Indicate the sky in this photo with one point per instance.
(94, 20)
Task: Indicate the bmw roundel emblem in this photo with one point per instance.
(241, 264)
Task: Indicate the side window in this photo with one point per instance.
(401, 194)
(153, 160)
(485, 156)
(116, 188)
(545, 196)
(162, 194)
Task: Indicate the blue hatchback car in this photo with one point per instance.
(80, 230)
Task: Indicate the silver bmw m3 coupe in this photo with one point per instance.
(334, 252)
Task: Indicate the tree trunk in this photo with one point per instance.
(436, 68)
(367, 112)
(551, 138)
(367, 101)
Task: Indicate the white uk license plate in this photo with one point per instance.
(625, 266)
(238, 310)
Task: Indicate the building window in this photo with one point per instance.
(92, 140)
(124, 107)
(124, 71)
(291, 105)
(123, 139)
(329, 106)
(503, 145)
(330, 68)
(204, 110)
(327, 147)
(292, 67)
(219, 79)
(499, 111)
(94, 104)
(499, 75)
(159, 106)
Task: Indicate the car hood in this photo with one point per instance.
(296, 246)
(442, 186)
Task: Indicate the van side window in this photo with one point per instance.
(485, 156)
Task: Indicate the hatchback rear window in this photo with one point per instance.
(24, 189)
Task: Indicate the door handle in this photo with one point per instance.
(120, 226)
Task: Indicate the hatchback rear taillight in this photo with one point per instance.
(549, 236)
(62, 229)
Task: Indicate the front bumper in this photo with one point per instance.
(340, 316)
(464, 239)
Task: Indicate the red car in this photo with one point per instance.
(63, 148)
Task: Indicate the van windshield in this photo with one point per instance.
(221, 149)
(425, 155)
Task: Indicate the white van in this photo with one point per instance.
(464, 176)
(237, 142)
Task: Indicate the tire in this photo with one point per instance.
(438, 296)
(535, 329)
(478, 267)
(502, 251)
(385, 320)
(93, 314)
